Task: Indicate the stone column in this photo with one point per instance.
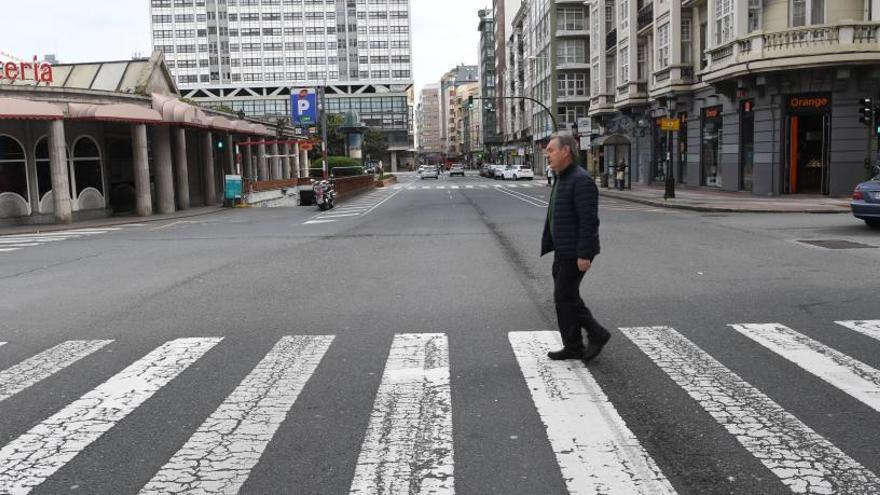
(208, 169)
(163, 169)
(230, 155)
(144, 201)
(276, 162)
(248, 157)
(394, 162)
(262, 166)
(285, 161)
(180, 168)
(294, 165)
(305, 163)
(60, 173)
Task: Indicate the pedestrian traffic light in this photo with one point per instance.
(866, 111)
(877, 120)
(470, 102)
(220, 145)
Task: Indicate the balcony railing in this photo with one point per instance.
(646, 16)
(794, 46)
(611, 39)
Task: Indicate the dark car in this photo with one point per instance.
(866, 202)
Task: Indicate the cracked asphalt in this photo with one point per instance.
(461, 263)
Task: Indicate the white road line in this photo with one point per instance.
(802, 459)
(43, 365)
(454, 187)
(220, 455)
(7, 250)
(20, 244)
(468, 187)
(524, 198)
(36, 455)
(871, 328)
(595, 450)
(426, 187)
(380, 203)
(512, 186)
(310, 222)
(408, 444)
(341, 215)
(850, 375)
(30, 239)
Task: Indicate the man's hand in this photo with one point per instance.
(584, 264)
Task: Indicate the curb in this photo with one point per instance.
(720, 209)
(37, 229)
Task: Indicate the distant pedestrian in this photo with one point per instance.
(621, 176)
(549, 176)
(571, 231)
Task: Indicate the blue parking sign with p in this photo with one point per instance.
(304, 106)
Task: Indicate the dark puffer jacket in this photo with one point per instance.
(575, 229)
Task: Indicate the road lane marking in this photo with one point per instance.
(595, 450)
(36, 455)
(220, 455)
(871, 328)
(802, 459)
(849, 375)
(525, 198)
(43, 365)
(311, 222)
(468, 187)
(7, 250)
(408, 443)
(20, 244)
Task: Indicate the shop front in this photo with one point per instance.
(614, 157)
(807, 144)
(711, 133)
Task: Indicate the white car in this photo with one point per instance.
(432, 172)
(517, 172)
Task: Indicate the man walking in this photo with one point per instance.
(572, 232)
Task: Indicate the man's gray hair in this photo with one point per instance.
(567, 139)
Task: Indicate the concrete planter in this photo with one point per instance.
(387, 181)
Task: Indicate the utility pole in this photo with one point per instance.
(866, 110)
(324, 130)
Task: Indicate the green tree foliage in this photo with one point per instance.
(375, 144)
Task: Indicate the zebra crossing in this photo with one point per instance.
(359, 207)
(466, 185)
(16, 242)
(408, 443)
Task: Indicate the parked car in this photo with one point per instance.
(498, 171)
(486, 170)
(517, 172)
(431, 172)
(456, 169)
(866, 202)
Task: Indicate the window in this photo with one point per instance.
(687, 43)
(807, 12)
(13, 172)
(642, 61)
(623, 57)
(663, 46)
(572, 52)
(755, 9)
(623, 16)
(87, 166)
(570, 19)
(724, 21)
(572, 85)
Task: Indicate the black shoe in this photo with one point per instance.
(566, 353)
(595, 347)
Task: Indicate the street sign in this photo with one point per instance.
(667, 124)
(305, 146)
(304, 106)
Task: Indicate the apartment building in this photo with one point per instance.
(488, 80)
(455, 77)
(766, 91)
(557, 67)
(471, 125)
(246, 55)
(516, 130)
(428, 119)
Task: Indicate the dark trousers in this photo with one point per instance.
(571, 312)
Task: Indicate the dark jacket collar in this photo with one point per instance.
(568, 169)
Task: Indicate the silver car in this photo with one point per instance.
(432, 172)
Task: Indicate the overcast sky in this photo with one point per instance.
(444, 32)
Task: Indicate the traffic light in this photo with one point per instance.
(220, 144)
(877, 120)
(866, 111)
(470, 102)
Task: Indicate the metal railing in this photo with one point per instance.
(646, 16)
(611, 39)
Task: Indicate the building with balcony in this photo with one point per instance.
(517, 134)
(557, 67)
(455, 77)
(247, 55)
(765, 91)
(470, 121)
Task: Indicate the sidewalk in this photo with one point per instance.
(110, 221)
(724, 201)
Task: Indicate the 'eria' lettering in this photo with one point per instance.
(26, 71)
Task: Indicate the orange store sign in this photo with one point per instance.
(26, 71)
(808, 102)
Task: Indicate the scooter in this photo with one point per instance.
(325, 194)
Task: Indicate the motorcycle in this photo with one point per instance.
(325, 194)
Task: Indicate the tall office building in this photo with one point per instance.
(428, 120)
(458, 76)
(246, 55)
(488, 79)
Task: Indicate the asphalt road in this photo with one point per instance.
(417, 315)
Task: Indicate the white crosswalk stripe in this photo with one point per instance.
(16, 242)
(871, 328)
(596, 451)
(801, 458)
(37, 368)
(408, 445)
(362, 206)
(33, 457)
(220, 455)
(853, 377)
